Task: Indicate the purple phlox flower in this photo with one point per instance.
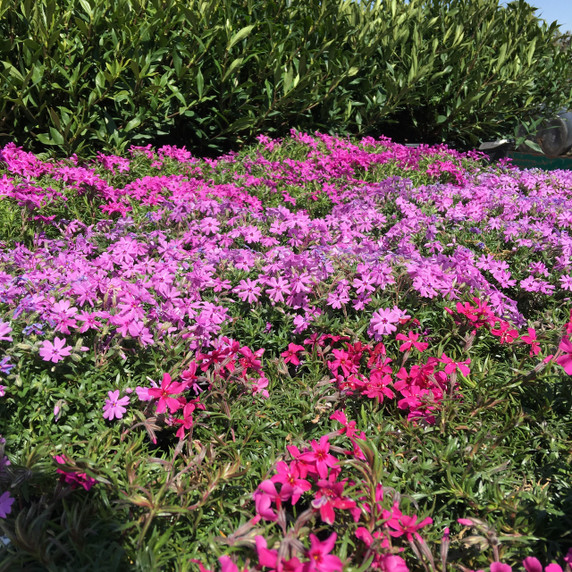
(6, 502)
(5, 365)
(114, 407)
(5, 329)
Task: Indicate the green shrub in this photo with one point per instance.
(85, 75)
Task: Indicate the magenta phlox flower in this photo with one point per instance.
(349, 428)
(270, 559)
(55, 351)
(504, 332)
(344, 361)
(187, 421)
(531, 340)
(452, 365)
(411, 340)
(250, 359)
(6, 502)
(73, 478)
(114, 407)
(500, 567)
(319, 457)
(532, 564)
(291, 354)
(165, 394)
(329, 496)
(565, 360)
(293, 485)
(377, 386)
(265, 496)
(248, 290)
(403, 524)
(320, 559)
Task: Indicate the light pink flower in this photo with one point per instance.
(114, 407)
(55, 351)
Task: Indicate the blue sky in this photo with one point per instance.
(550, 10)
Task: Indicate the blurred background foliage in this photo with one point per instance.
(81, 76)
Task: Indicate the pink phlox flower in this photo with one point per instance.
(270, 559)
(500, 567)
(392, 563)
(73, 478)
(411, 341)
(265, 496)
(55, 351)
(344, 361)
(405, 525)
(291, 354)
(248, 290)
(114, 407)
(293, 485)
(165, 394)
(377, 385)
(259, 386)
(504, 332)
(383, 322)
(328, 497)
(143, 392)
(532, 564)
(190, 378)
(187, 421)
(565, 360)
(531, 340)
(6, 502)
(320, 457)
(320, 559)
(452, 365)
(250, 359)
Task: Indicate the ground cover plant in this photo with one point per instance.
(316, 354)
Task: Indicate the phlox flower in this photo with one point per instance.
(55, 351)
(320, 457)
(6, 502)
(566, 282)
(565, 360)
(328, 497)
(165, 394)
(320, 559)
(73, 478)
(291, 354)
(114, 407)
(5, 329)
(270, 559)
(293, 485)
(411, 341)
(383, 322)
(532, 564)
(532, 341)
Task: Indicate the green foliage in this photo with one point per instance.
(83, 75)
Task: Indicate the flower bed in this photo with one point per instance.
(317, 354)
